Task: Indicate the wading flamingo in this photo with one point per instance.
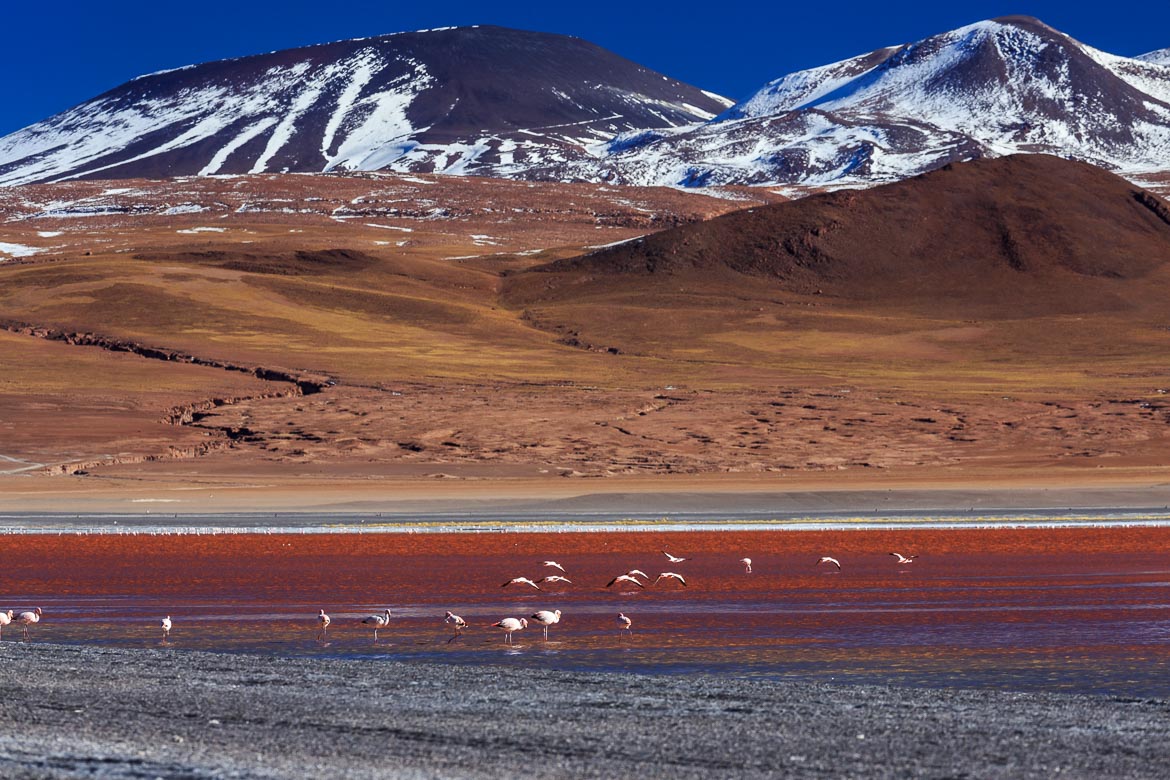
(378, 621)
(747, 565)
(323, 622)
(624, 624)
(5, 619)
(455, 620)
(27, 619)
(509, 625)
(546, 619)
(166, 627)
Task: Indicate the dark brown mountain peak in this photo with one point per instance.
(1023, 234)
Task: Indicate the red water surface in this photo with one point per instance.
(1084, 609)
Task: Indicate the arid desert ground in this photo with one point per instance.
(385, 336)
(319, 350)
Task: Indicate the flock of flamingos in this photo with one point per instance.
(508, 625)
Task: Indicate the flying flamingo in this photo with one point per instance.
(323, 621)
(520, 581)
(747, 564)
(625, 623)
(556, 578)
(625, 578)
(378, 621)
(827, 559)
(455, 620)
(554, 565)
(5, 619)
(166, 627)
(904, 559)
(546, 619)
(509, 625)
(29, 618)
(671, 576)
(674, 558)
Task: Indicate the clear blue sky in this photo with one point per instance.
(59, 54)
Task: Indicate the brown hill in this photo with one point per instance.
(1026, 235)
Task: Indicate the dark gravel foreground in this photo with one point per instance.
(97, 712)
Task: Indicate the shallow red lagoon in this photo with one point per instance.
(1085, 609)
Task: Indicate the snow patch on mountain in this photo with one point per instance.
(1159, 57)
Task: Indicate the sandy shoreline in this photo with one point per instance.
(704, 494)
(71, 711)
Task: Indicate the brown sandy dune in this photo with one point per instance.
(995, 315)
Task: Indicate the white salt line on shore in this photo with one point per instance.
(630, 526)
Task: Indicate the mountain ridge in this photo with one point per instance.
(994, 87)
(447, 100)
(495, 102)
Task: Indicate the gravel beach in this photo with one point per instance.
(73, 711)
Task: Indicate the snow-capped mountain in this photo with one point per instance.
(988, 89)
(484, 100)
(1159, 57)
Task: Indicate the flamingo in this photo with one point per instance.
(624, 623)
(674, 558)
(378, 621)
(827, 559)
(904, 559)
(5, 619)
(323, 621)
(509, 625)
(520, 581)
(747, 564)
(29, 618)
(556, 578)
(671, 576)
(625, 578)
(455, 620)
(546, 619)
(554, 565)
(166, 627)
